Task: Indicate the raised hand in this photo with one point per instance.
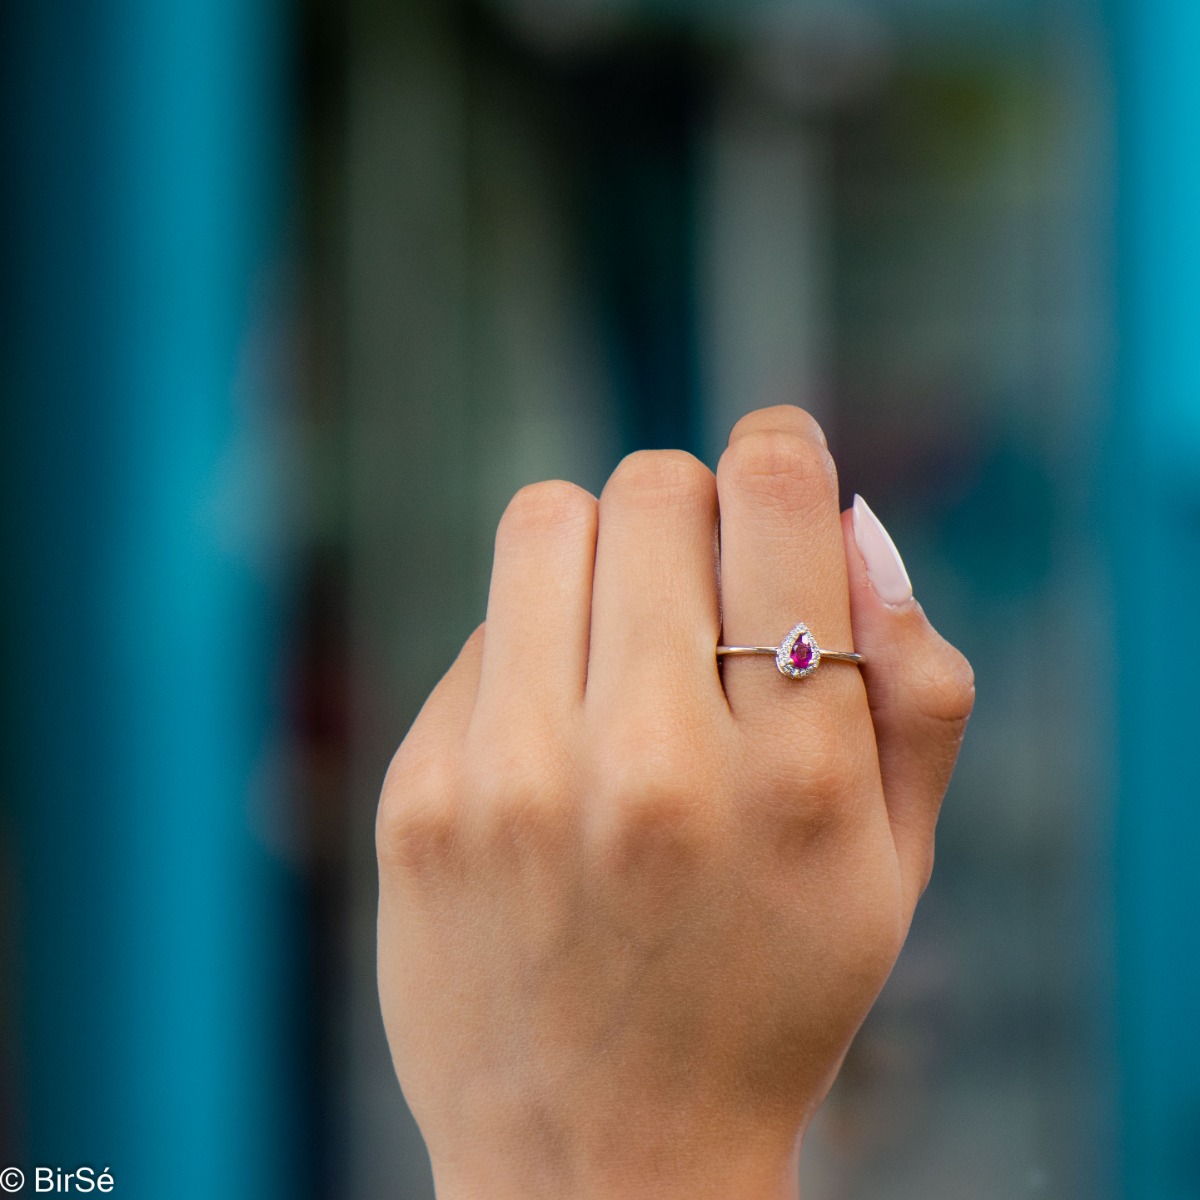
(635, 901)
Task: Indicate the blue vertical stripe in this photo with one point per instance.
(1155, 482)
(142, 616)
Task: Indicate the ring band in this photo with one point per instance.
(797, 655)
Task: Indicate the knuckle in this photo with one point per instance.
(416, 822)
(822, 794)
(553, 504)
(779, 467)
(652, 788)
(523, 799)
(812, 797)
(654, 820)
(639, 794)
(826, 771)
(661, 477)
(944, 690)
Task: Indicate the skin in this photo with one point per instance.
(635, 905)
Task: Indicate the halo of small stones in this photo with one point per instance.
(783, 655)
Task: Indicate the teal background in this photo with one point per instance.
(297, 294)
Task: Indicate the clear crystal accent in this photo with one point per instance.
(798, 654)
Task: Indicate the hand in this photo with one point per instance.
(633, 905)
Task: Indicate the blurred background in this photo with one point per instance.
(296, 294)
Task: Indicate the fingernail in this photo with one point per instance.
(885, 567)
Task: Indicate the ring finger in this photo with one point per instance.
(782, 561)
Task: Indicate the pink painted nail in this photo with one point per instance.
(885, 567)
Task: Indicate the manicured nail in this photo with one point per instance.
(885, 567)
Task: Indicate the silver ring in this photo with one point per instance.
(797, 655)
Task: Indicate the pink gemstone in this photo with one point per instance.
(801, 654)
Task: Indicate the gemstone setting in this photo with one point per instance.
(798, 654)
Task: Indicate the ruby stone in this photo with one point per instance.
(801, 654)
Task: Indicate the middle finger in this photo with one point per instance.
(654, 592)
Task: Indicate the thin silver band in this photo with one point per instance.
(833, 655)
(798, 655)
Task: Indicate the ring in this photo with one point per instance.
(798, 654)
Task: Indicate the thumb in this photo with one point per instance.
(920, 689)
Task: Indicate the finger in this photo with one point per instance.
(654, 596)
(535, 656)
(782, 562)
(920, 689)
